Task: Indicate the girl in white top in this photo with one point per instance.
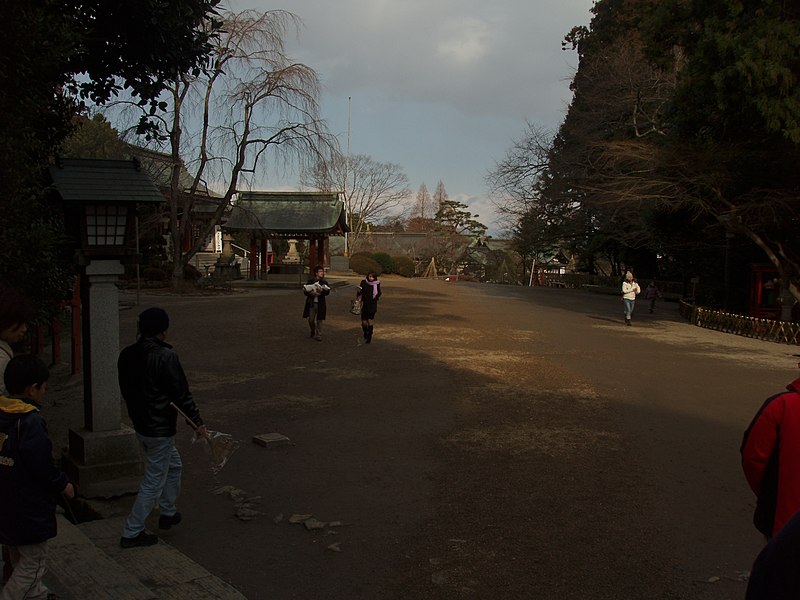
(629, 290)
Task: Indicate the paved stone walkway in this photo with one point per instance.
(85, 561)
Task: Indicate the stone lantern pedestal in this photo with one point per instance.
(102, 458)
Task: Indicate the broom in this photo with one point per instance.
(221, 445)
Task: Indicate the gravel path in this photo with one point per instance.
(492, 442)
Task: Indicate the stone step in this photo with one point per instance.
(86, 561)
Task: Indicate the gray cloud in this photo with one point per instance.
(495, 58)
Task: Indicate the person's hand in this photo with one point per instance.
(202, 431)
(69, 491)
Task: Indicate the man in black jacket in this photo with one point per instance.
(151, 379)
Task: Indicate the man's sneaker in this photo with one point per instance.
(165, 522)
(143, 539)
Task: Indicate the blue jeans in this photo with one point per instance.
(628, 307)
(161, 483)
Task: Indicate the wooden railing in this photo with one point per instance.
(784, 332)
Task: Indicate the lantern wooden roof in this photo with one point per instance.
(103, 181)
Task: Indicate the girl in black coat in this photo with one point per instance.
(315, 308)
(369, 292)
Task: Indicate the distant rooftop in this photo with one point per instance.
(289, 213)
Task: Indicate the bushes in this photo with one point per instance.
(382, 263)
(363, 262)
(404, 266)
(385, 261)
(190, 273)
(154, 274)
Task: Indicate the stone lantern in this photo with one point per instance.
(100, 198)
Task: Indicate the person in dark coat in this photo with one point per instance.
(652, 293)
(29, 480)
(369, 292)
(315, 308)
(151, 379)
(775, 574)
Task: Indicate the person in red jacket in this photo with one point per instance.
(771, 459)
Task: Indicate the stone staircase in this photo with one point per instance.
(205, 262)
(85, 561)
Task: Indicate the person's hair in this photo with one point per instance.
(373, 273)
(319, 268)
(15, 309)
(153, 321)
(24, 370)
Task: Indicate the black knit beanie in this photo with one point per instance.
(153, 321)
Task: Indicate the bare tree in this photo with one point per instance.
(421, 218)
(513, 183)
(253, 104)
(372, 191)
(439, 195)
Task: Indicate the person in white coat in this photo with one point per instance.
(629, 291)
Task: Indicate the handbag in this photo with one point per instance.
(355, 307)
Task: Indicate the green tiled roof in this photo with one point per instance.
(288, 213)
(94, 180)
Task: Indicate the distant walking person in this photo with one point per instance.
(150, 378)
(652, 293)
(629, 290)
(369, 292)
(315, 309)
(29, 480)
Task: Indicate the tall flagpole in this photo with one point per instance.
(344, 187)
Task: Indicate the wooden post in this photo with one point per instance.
(76, 345)
(38, 339)
(322, 252)
(55, 337)
(312, 256)
(253, 266)
(264, 265)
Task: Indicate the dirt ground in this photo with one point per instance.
(492, 442)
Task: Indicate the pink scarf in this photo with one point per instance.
(374, 285)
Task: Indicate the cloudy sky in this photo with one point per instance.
(440, 87)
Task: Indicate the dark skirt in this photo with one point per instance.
(368, 310)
